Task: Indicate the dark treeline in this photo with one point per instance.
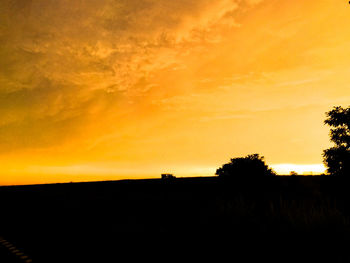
(53, 222)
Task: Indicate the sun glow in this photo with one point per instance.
(301, 169)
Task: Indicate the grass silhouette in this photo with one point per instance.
(85, 218)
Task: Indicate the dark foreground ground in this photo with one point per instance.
(281, 219)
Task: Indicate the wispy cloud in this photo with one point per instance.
(59, 58)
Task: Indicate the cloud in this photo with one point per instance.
(57, 55)
(168, 81)
(77, 70)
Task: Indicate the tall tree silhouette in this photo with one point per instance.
(337, 158)
(252, 165)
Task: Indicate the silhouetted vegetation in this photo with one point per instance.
(293, 173)
(167, 176)
(252, 165)
(337, 158)
(53, 222)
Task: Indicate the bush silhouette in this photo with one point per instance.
(293, 173)
(252, 165)
(337, 158)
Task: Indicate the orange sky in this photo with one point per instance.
(110, 89)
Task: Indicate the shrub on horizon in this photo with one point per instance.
(252, 165)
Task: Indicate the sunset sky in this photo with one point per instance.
(113, 89)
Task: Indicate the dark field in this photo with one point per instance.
(278, 219)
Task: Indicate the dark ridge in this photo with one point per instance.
(104, 220)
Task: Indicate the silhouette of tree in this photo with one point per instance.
(252, 165)
(337, 158)
(293, 173)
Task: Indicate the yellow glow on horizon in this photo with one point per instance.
(301, 169)
(106, 172)
(93, 172)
